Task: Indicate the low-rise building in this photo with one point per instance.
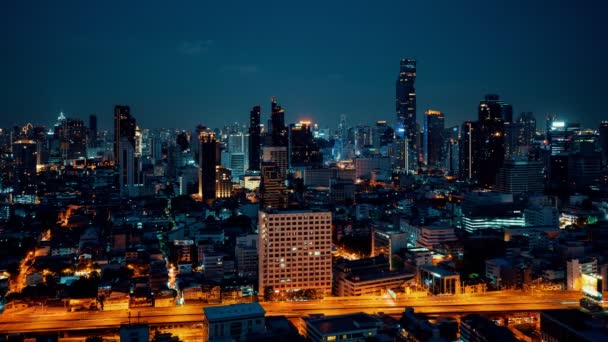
(438, 281)
(357, 327)
(236, 322)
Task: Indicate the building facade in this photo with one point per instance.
(295, 251)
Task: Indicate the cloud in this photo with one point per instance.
(241, 69)
(195, 47)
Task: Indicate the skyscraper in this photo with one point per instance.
(604, 140)
(278, 128)
(207, 162)
(468, 150)
(24, 167)
(433, 139)
(124, 127)
(92, 127)
(254, 138)
(406, 112)
(126, 167)
(272, 187)
(491, 138)
(303, 149)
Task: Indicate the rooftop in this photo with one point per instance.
(438, 271)
(338, 324)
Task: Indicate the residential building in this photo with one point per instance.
(295, 250)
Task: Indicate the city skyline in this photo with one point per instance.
(191, 72)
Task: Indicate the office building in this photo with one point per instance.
(437, 280)
(92, 136)
(303, 150)
(603, 131)
(278, 129)
(236, 322)
(373, 283)
(237, 165)
(405, 101)
(431, 236)
(433, 139)
(124, 127)
(571, 325)
(541, 216)
(344, 268)
(468, 151)
(584, 168)
(24, 178)
(279, 156)
(475, 328)
(493, 113)
(357, 327)
(490, 210)
(272, 187)
(207, 162)
(575, 268)
(223, 182)
(560, 136)
(520, 176)
(381, 166)
(295, 251)
(126, 167)
(246, 255)
(386, 241)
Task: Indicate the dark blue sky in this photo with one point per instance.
(210, 61)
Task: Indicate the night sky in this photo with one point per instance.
(209, 61)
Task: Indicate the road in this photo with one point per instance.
(57, 319)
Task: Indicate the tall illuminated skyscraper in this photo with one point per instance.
(406, 112)
(207, 162)
(254, 138)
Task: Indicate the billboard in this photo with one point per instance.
(592, 286)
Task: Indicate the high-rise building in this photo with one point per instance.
(278, 128)
(124, 127)
(295, 251)
(521, 176)
(561, 136)
(237, 165)
(528, 128)
(207, 162)
(468, 150)
(584, 168)
(433, 139)
(604, 140)
(126, 167)
(92, 127)
(24, 167)
(272, 187)
(303, 149)
(255, 141)
(223, 182)
(493, 113)
(406, 113)
(279, 156)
